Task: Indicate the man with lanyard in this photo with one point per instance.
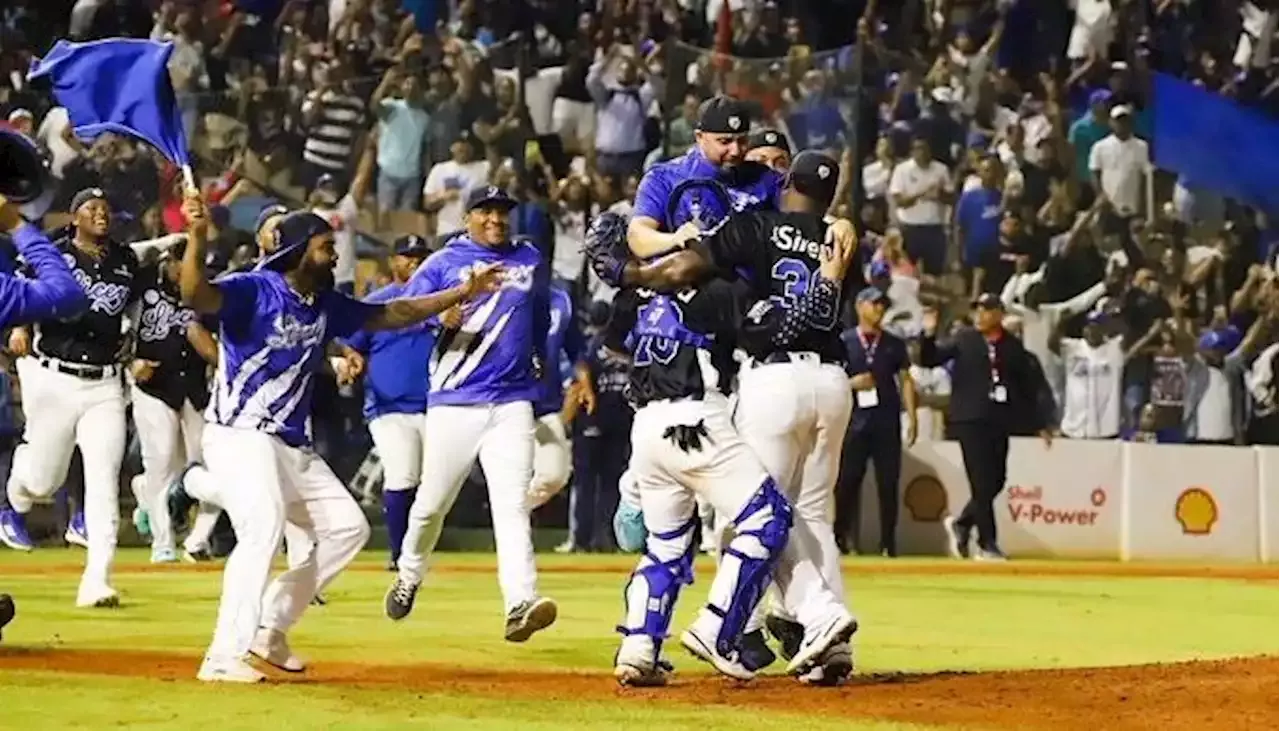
(54, 292)
(170, 390)
(395, 393)
(73, 395)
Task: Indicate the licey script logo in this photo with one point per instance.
(1196, 511)
(925, 499)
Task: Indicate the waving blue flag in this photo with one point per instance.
(117, 85)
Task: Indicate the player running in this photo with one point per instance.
(794, 402)
(274, 323)
(484, 380)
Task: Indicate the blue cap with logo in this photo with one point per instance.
(293, 234)
(490, 196)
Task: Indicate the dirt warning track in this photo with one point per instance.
(1226, 694)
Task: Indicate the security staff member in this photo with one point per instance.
(170, 390)
(882, 387)
(992, 371)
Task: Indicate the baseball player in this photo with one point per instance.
(684, 443)
(552, 448)
(484, 380)
(770, 148)
(395, 394)
(794, 403)
(73, 395)
(273, 326)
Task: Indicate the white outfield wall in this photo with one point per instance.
(1104, 499)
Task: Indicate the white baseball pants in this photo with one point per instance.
(62, 412)
(261, 482)
(552, 459)
(501, 436)
(794, 416)
(399, 439)
(170, 438)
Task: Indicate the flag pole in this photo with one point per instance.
(189, 177)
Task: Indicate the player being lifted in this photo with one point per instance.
(794, 401)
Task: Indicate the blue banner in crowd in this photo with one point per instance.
(1216, 144)
(117, 85)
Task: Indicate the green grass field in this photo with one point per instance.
(447, 667)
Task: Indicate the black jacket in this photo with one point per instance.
(971, 379)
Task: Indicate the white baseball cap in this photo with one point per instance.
(1120, 110)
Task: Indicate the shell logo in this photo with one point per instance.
(1196, 511)
(925, 499)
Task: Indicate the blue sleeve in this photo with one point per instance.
(54, 293)
(651, 197)
(240, 295)
(346, 315)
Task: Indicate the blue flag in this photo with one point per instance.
(1216, 144)
(117, 85)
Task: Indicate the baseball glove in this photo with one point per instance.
(606, 247)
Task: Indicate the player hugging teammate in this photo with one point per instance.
(776, 259)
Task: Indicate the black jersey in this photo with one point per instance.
(94, 336)
(681, 344)
(162, 328)
(777, 254)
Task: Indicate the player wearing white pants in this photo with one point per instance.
(274, 325)
(483, 385)
(552, 459)
(169, 439)
(73, 394)
(555, 409)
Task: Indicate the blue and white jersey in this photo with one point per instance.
(271, 343)
(395, 380)
(490, 359)
(752, 187)
(563, 337)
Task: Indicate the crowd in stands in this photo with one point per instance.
(988, 146)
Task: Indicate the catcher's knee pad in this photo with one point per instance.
(651, 594)
(759, 534)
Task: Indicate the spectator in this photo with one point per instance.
(1090, 129)
(681, 130)
(448, 183)
(933, 391)
(876, 174)
(918, 189)
(622, 105)
(978, 215)
(1215, 406)
(1120, 163)
(402, 139)
(334, 119)
(1010, 256)
(1094, 366)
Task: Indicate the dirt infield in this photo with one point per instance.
(1228, 694)
(623, 565)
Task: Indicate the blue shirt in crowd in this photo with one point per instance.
(978, 217)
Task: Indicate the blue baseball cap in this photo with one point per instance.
(268, 213)
(411, 245)
(490, 196)
(1100, 96)
(292, 235)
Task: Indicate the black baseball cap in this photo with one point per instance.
(411, 245)
(490, 196)
(988, 301)
(768, 138)
(724, 115)
(86, 195)
(815, 175)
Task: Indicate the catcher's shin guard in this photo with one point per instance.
(759, 534)
(650, 595)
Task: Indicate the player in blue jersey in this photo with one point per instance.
(484, 380)
(553, 450)
(395, 393)
(274, 323)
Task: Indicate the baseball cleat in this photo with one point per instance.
(228, 671)
(833, 667)
(270, 646)
(990, 554)
(788, 633)
(179, 503)
(832, 632)
(705, 650)
(7, 610)
(754, 651)
(77, 534)
(391, 565)
(200, 555)
(141, 521)
(13, 531)
(98, 597)
(958, 538)
(164, 555)
(399, 601)
(530, 616)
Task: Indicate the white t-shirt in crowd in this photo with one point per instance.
(1122, 165)
(909, 178)
(568, 258)
(1092, 31)
(1091, 397)
(1213, 413)
(460, 176)
(344, 218)
(905, 315)
(875, 179)
(930, 423)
